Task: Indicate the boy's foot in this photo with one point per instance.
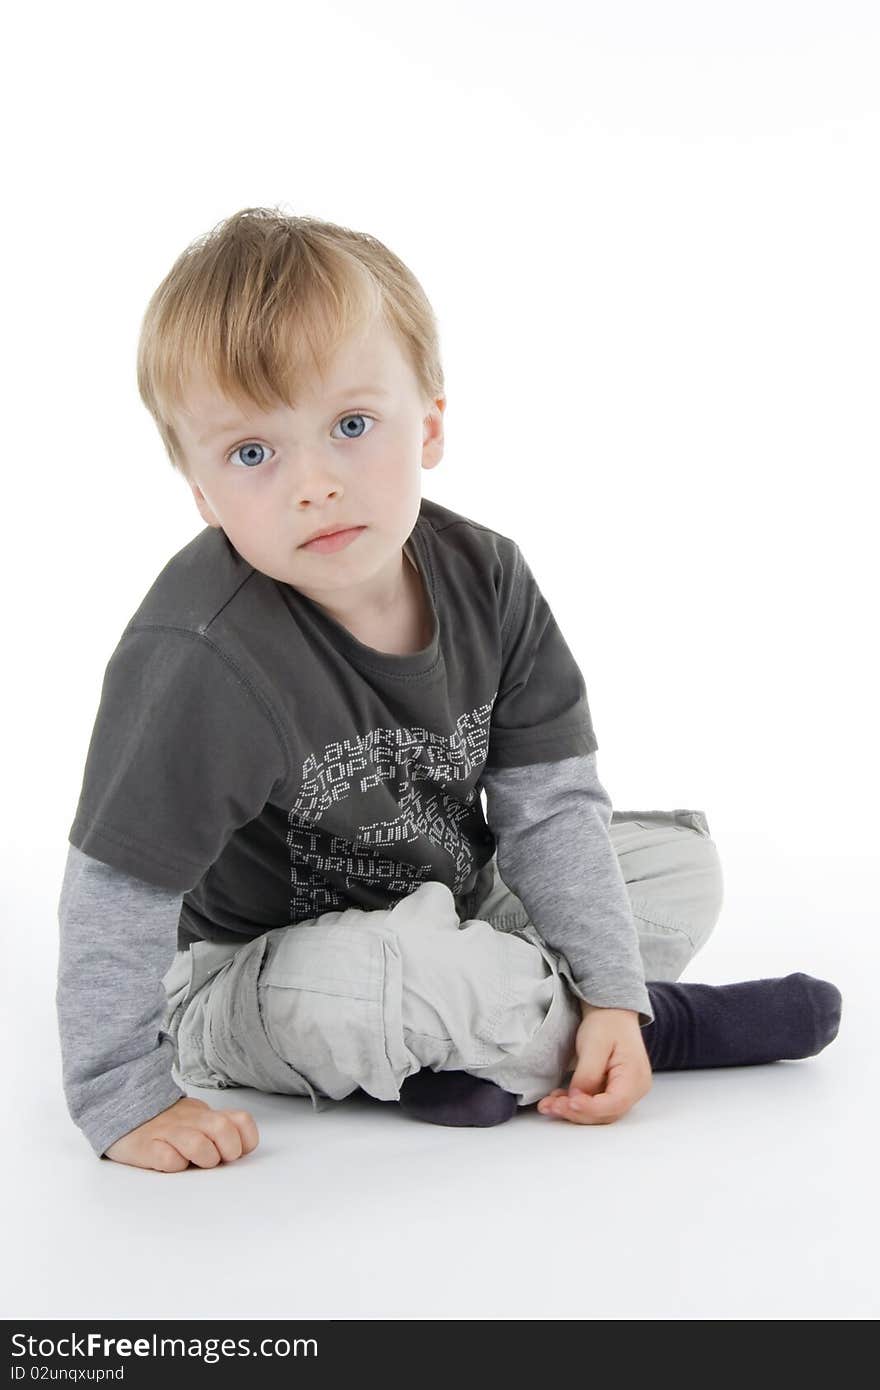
(742, 1024)
(455, 1098)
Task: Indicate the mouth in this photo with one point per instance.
(333, 540)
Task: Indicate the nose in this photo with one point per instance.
(316, 482)
(317, 496)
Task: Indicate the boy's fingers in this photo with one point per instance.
(619, 1095)
(247, 1128)
(189, 1131)
(622, 1090)
(592, 1110)
(603, 1103)
(546, 1101)
(222, 1130)
(233, 1131)
(167, 1158)
(196, 1146)
(582, 1108)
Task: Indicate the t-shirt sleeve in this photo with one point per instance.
(183, 752)
(541, 713)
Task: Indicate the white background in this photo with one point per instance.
(649, 232)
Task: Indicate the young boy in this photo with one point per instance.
(279, 872)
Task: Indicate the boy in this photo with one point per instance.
(279, 872)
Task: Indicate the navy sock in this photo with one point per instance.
(742, 1024)
(455, 1098)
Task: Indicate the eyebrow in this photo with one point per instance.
(236, 426)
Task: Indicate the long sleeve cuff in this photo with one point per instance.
(617, 996)
(130, 1095)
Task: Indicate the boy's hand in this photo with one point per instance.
(608, 1043)
(189, 1131)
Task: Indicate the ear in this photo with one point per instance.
(432, 434)
(202, 504)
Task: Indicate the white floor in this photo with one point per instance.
(739, 1193)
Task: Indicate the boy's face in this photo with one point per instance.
(347, 456)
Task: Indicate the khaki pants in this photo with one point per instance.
(362, 999)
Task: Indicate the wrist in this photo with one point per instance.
(601, 1008)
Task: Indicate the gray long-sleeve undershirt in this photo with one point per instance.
(555, 853)
(118, 938)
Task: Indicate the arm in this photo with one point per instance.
(554, 851)
(550, 822)
(550, 815)
(118, 939)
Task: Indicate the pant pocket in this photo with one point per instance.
(541, 1062)
(237, 1048)
(330, 1000)
(551, 1048)
(540, 1016)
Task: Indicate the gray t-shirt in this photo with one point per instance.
(251, 753)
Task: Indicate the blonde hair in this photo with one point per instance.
(265, 297)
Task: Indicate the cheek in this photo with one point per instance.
(251, 524)
(396, 458)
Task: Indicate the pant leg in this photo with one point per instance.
(672, 871)
(673, 874)
(362, 999)
(489, 1002)
(212, 1017)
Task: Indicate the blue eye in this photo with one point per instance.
(249, 449)
(356, 415)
